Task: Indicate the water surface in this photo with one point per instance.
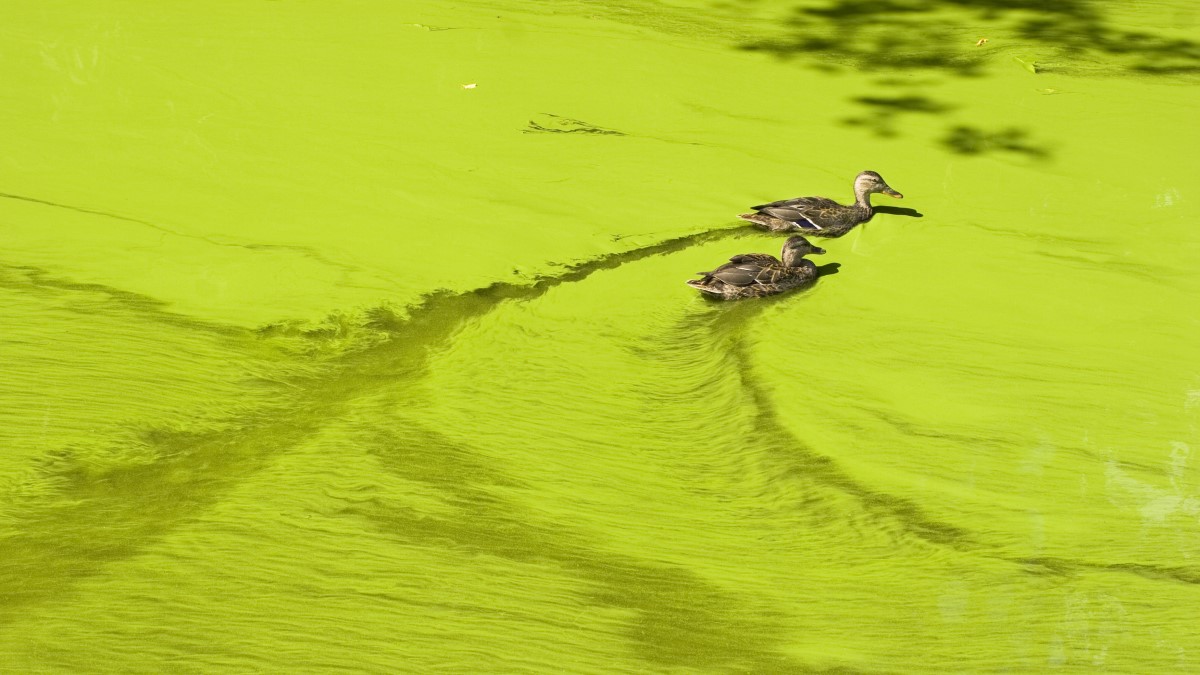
(320, 359)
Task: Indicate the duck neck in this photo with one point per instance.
(862, 199)
(792, 258)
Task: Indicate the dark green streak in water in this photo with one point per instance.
(113, 515)
(680, 620)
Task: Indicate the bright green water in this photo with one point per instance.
(315, 360)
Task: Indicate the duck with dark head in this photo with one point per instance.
(820, 216)
(753, 275)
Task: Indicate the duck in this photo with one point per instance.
(819, 216)
(753, 275)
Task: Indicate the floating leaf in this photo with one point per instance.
(1031, 66)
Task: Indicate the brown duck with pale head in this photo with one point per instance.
(820, 216)
(753, 275)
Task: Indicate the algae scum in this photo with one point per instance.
(355, 338)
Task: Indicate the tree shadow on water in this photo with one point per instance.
(950, 39)
(908, 35)
(882, 111)
(971, 141)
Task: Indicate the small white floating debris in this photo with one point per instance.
(982, 42)
(469, 86)
(1166, 199)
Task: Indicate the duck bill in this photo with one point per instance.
(892, 193)
(818, 251)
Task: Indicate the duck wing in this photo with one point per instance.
(757, 258)
(747, 273)
(801, 204)
(803, 211)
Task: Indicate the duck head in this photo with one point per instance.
(795, 248)
(869, 181)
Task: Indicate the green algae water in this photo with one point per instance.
(353, 337)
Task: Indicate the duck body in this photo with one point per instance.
(820, 216)
(816, 216)
(754, 275)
